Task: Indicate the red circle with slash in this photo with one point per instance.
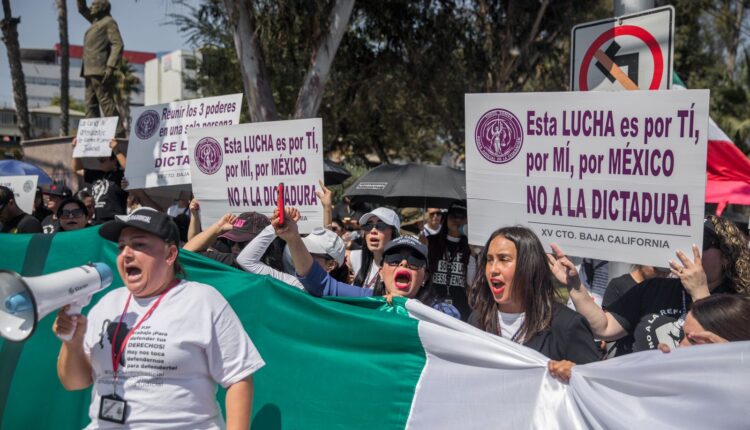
(624, 30)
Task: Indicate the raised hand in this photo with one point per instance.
(324, 194)
(691, 274)
(563, 269)
(226, 222)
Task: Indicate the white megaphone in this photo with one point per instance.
(25, 301)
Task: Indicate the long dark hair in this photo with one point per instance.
(727, 315)
(532, 282)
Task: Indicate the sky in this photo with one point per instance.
(143, 25)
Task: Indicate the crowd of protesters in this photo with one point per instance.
(511, 287)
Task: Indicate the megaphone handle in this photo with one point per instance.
(74, 309)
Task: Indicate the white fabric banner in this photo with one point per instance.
(94, 135)
(476, 380)
(24, 189)
(614, 176)
(157, 149)
(238, 169)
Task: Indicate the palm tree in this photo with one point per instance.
(62, 23)
(10, 37)
(126, 83)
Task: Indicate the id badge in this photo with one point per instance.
(112, 408)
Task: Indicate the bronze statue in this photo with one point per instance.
(102, 50)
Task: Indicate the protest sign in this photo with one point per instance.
(238, 168)
(24, 190)
(94, 135)
(614, 176)
(158, 152)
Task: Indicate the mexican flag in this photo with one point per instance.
(362, 364)
(728, 168)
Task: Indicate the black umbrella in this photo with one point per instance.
(410, 185)
(333, 173)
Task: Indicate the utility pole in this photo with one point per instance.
(625, 7)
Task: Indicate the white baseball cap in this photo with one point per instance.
(386, 215)
(323, 241)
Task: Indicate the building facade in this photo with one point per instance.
(167, 76)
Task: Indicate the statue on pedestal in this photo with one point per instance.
(102, 51)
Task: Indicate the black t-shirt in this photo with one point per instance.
(658, 297)
(50, 225)
(222, 257)
(617, 288)
(109, 198)
(448, 272)
(23, 223)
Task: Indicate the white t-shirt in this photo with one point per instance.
(172, 363)
(510, 325)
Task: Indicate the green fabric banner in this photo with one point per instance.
(331, 363)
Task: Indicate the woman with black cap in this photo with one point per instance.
(654, 310)
(155, 349)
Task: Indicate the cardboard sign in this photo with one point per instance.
(24, 190)
(157, 150)
(614, 176)
(238, 169)
(94, 136)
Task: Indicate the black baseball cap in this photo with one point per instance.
(710, 237)
(458, 208)
(144, 218)
(246, 227)
(57, 189)
(410, 242)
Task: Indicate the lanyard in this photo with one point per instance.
(116, 357)
(500, 330)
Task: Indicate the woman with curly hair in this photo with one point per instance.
(514, 297)
(654, 310)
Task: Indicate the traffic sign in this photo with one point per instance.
(629, 52)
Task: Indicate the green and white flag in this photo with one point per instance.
(362, 364)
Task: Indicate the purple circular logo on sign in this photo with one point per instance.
(147, 124)
(498, 136)
(208, 156)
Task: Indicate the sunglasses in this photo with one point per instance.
(75, 213)
(380, 226)
(457, 215)
(414, 262)
(434, 214)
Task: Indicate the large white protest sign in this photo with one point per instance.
(157, 150)
(24, 190)
(94, 136)
(615, 176)
(238, 169)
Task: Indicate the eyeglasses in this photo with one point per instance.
(75, 213)
(380, 225)
(414, 262)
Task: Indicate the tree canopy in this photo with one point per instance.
(397, 84)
